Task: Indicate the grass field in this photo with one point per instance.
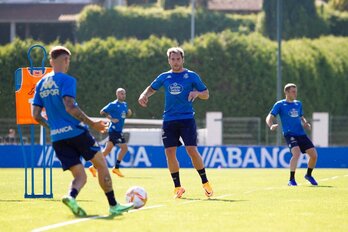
(244, 200)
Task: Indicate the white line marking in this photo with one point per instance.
(61, 224)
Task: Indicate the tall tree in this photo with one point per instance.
(341, 5)
(299, 17)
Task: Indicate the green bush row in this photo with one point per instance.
(299, 20)
(136, 22)
(239, 70)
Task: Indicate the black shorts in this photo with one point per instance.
(116, 137)
(69, 151)
(184, 128)
(302, 141)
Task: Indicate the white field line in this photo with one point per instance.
(61, 224)
(49, 227)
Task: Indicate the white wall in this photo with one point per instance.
(320, 129)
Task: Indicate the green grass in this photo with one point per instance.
(244, 200)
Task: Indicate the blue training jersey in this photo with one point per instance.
(49, 94)
(119, 111)
(177, 87)
(290, 115)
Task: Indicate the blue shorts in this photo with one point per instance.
(116, 137)
(69, 151)
(184, 128)
(302, 141)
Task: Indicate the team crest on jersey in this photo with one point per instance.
(186, 76)
(175, 88)
(293, 113)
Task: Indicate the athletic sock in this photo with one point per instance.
(203, 175)
(111, 198)
(176, 179)
(309, 171)
(73, 192)
(292, 175)
(117, 165)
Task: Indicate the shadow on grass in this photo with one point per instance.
(106, 217)
(12, 200)
(209, 199)
(320, 186)
(138, 177)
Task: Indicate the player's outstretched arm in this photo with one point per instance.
(269, 120)
(38, 117)
(306, 124)
(108, 116)
(129, 113)
(72, 108)
(144, 97)
(204, 95)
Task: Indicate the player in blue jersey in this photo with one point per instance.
(116, 111)
(181, 87)
(71, 140)
(291, 116)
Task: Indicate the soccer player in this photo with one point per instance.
(291, 115)
(71, 140)
(116, 111)
(181, 87)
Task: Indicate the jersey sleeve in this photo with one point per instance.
(158, 82)
(69, 87)
(37, 101)
(276, 108)
(301, 109)
(107, 108)
(198, 83)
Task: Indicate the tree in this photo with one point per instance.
(170, 4)
(341, 5)
(300, 19)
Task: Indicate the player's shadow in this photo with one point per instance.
(210, 199)
(12, 200)
(320, 186)
(101, 217)
(139, 177)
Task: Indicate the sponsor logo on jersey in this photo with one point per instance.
(49, 87)
(61, 130)
(175, 88)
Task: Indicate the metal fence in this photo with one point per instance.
(236, 131)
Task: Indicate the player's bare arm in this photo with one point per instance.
(144, 97)
(38, 117)
(306, 124)
(270, 119)
(72, 108)
(108, 116)
(129, 113)
(204, 95)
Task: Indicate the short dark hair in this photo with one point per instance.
(58, 51)
(288, 86)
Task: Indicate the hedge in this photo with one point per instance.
(122, 22)
(239, 70)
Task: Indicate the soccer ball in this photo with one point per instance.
(137, 195)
